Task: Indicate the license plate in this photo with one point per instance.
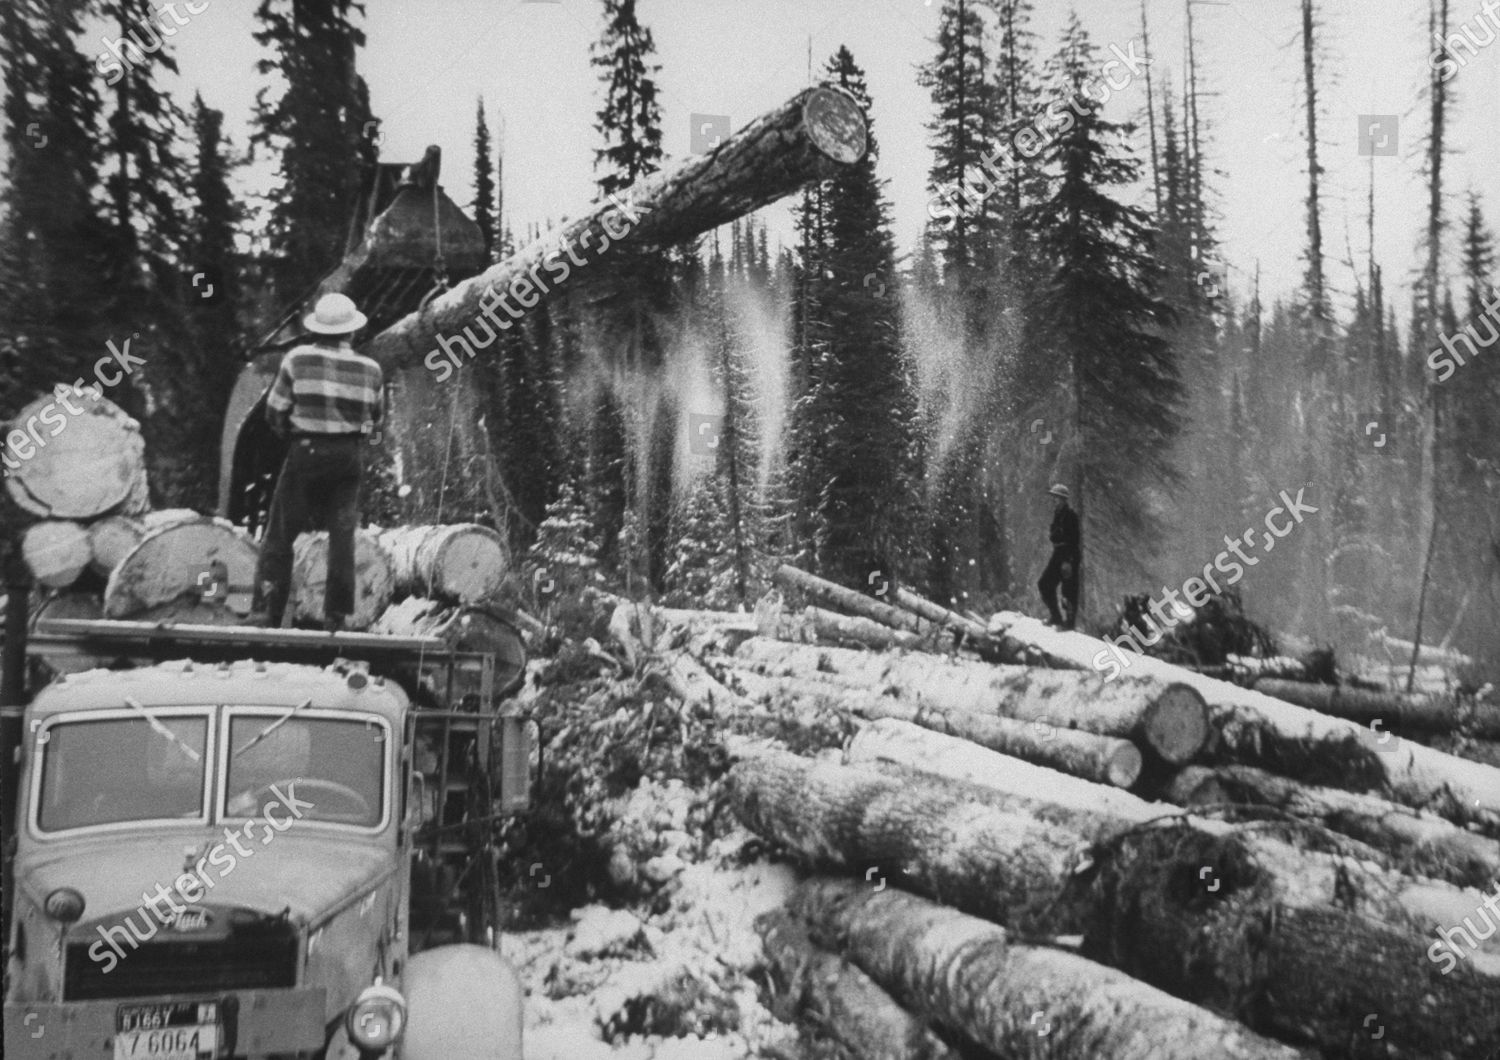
(175, 1030)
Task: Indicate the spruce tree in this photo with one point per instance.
(858, 402)
(317, 123)
(484, 183)
(1097, 307)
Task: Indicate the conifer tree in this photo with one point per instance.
(1097, 308)
(317, 123)
(484, 183)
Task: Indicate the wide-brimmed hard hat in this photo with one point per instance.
(1059, 490)
(335, 314)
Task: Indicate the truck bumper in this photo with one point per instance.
(266, 1021)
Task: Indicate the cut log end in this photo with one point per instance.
(1124, 765)
(836, 124)
(1176, 724)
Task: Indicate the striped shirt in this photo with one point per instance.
(322, 390)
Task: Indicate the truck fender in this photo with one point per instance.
(463, 1003)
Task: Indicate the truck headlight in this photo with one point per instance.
(376, 1019)
(64, 905)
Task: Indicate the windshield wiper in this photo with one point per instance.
(269, 729)
(162, 729)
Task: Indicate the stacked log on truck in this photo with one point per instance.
(978, 862)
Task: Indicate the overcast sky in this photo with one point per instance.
(427, 61)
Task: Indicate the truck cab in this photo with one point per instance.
(241, 852)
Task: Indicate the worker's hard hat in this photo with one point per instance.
(335, 314)
(1059, 490)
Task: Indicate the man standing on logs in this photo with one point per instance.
(1062, 568)
(325, 399)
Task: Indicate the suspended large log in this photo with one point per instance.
(80, 457)
(373, 583)
(1168, 718)
(1221, 916)
(846, 600)
(1401, 711)
(1259, 730)
(938, 615)
(56, 551)
(1424, 842)
(839, 998)
(201, 559)
(1023, 1002)
(1102, 759)
(809, 138)
(465, 562)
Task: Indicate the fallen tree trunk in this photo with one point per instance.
(1021, 1002)
(56, 551)
(839, 998)
(846, 600)
(1170, 719)
(1400, 710)
(373, 582)
(1007, 867)
(199, 559)
(815, 625)
(809, 138)
(81, 457)
(1424, 843)
(464, 562)
(938, 615)
(1102, 759)
(1258, 730)
(1217, 915)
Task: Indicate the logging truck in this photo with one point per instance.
(231, 842)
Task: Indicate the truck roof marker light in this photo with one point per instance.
(65, 905)
(358, 680)
(376, 1019)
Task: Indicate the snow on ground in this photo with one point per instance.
(688, 965)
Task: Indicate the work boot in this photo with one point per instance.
(334, 623)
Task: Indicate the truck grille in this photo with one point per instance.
(264, 956)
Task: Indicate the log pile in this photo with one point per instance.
(987, 857)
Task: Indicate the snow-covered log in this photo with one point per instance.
(81, 458)
(1149, 895)
(464, 562)
(846, 600)
(817, 625)
(810, 137)
(198, 559)
(1005, 865)
(373, 581)
(937, 614)
(1424, 842)
(1402, 711)
(56, 551)
(1103, 759)
(1017, 1001)
(839, 998)
(1259, 730)
(1170, 719)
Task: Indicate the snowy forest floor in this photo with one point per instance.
(635, 891)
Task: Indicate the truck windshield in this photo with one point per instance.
(121, 768)
(306, 764)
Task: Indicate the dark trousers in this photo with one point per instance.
(318, 490)
(1052, 578)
